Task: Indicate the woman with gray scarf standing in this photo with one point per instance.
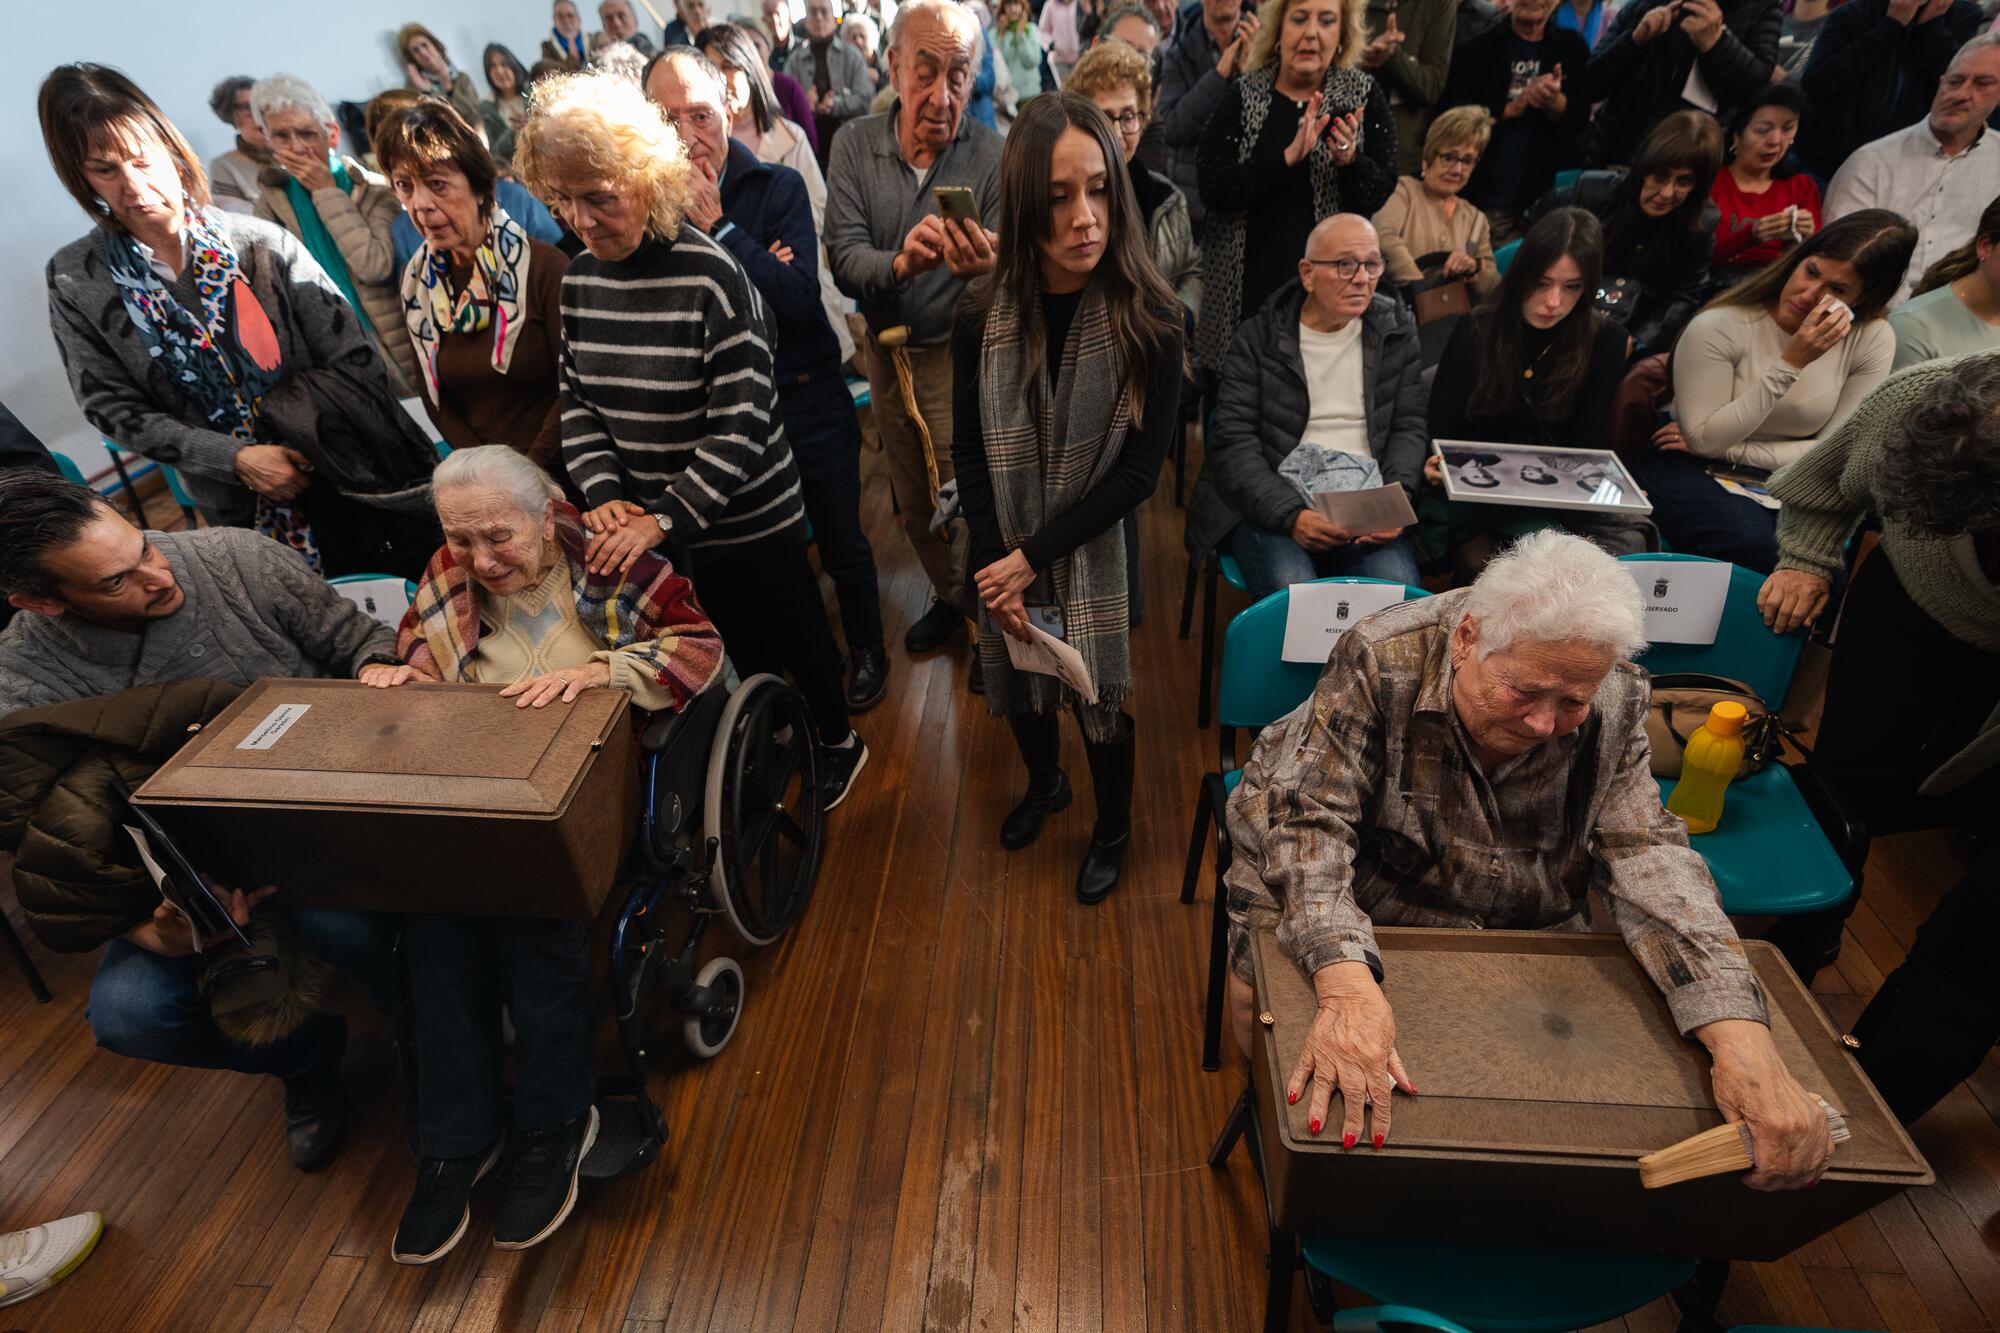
(1067, 360)
(1302, 135)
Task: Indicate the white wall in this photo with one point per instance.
(345, 48)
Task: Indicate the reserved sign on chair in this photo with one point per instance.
(1319, 613)
(1683, 598)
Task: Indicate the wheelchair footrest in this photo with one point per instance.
(625, 1145)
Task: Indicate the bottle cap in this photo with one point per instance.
(1727, 717)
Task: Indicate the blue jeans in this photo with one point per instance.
(1697, 517)
(459, 967)
(147, 1007)
(1272, 560)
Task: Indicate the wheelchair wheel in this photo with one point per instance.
(763, 808)
(707, 1035)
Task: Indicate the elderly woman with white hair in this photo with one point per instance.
(340, 211)
(1478, 759)
(511, 600)
(670, 418)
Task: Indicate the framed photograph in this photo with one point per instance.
(1539, 477)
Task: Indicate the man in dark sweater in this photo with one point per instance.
(1873, 70)
(1519, 70)
(671, 426)
(760, 213)
(1665, 56)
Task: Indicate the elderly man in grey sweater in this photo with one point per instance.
(892, 251)
(110, 607)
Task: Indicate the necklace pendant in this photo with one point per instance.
(1528, 374)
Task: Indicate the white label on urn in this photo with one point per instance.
(273, 728)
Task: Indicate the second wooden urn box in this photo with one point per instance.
(425, 798)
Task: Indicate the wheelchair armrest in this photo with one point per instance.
(1848, 835)
(668, 728)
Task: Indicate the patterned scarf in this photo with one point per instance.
(493, 296)
(568, 48)
(1222, 258)
(223, 360)
(1044, 451)
(651, 615)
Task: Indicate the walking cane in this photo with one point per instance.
(944, 498)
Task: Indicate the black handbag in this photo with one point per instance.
(1619, 297)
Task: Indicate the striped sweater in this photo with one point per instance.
(668, 398)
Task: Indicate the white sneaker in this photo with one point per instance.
(34, 1260)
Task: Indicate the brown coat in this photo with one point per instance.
(359, 224)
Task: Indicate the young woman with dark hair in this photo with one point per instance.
(1067, 361)
(1765, 209)
(1659, 228)
(508, 78)
(1956, 307)
(1536, 364)
(1764, 372)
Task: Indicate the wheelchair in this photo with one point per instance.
(730, 826)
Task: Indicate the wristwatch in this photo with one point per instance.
(666, 524)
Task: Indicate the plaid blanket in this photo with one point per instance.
(651, 615)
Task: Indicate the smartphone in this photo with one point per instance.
(1047, 619)
(956, 204)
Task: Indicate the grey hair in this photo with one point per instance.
(287, 92)
(1127, 10)
(1940, 468)
(1552, 586)
(623, 59)
(222, 98)
(498, 467)
(692, 55)
(1990, 37)
(944, 10)
(866, 23)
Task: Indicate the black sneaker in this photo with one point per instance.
(316, 1102)
(441, 1205)
(868, 680)
(933, 629)
(541, 1184)
(839, 765)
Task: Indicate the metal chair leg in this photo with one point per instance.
(1180, 464)
(131, 491)
(1196, 840)
(1284, 1261)
(19, 953)
(1232, 1129)
(1187, 599)
(1700, 1295)
(1205, 707)
(1218, 977)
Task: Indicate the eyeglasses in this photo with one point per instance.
(1345, 269)
(1459, 159)
(699, 118)
(1127, 120)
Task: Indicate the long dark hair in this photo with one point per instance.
(84, 106)
(1138, 297)
(1875, 241)
(1966, 258)
(1571, 232)
(512, 62)
(1684, 141)
(733, 44)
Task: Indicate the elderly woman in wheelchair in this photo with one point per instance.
(508, 600)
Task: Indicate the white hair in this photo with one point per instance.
(287, 92)
(944, 11)
(1554, 587)
(1979, 42)
(498, 467)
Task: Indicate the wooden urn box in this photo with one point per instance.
(425, 798)
(1548, 1064)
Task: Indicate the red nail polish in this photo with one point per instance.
(1315, 1126)
(1378, 1140)
(1347, 1141)
(1291, 1099)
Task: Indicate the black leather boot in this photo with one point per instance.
(1111, 764)
(316, 1101)
(1040, 744)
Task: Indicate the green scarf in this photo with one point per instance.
(318, 241)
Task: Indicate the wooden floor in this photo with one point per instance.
(958, 1100)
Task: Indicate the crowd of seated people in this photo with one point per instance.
(631, 284)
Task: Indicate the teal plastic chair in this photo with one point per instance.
(125, 476)
(1504, 256)
(1220, 567)
(1784, 847)
(1496, 1289)
(1258, 688)
(67, 466)
(1392, 1319)
(1565, 179)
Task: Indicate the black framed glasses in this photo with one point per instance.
(1126, 120)
(1458, 159)
(1345, 269)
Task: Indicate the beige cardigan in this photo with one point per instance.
(359, 224)
(1412, 224)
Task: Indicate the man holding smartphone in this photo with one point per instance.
(895, 249)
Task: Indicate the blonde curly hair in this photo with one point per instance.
(1110, 66)
(598, 126)
(1271, 18)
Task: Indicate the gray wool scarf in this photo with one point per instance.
(1044, 452)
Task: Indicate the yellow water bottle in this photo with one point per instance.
(1713, 755)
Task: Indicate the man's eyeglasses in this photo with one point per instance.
(1345, 269)
(1126, 120)
(1459, 159)
(699, 118)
